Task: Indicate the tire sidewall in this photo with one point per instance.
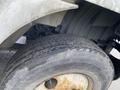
(63, 62)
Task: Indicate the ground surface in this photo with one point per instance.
(115, 85)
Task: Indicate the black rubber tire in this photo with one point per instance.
(55, 55)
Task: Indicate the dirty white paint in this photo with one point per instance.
(14, 14)
(113, 5)
(52, 20)
(22, 40)
(114, 52)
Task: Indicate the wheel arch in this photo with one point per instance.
(16, 16)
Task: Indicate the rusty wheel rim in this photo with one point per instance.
(67, 82)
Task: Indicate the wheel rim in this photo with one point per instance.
(67, 82)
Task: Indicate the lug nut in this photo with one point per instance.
(50, 84)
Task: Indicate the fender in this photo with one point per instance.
(14, 14)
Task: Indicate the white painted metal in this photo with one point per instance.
(52, 20)
(114, 52)
(21, 40)
(113, 5)
(14, 14)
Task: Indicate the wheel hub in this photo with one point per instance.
(65, 82)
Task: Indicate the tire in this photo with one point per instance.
(56, 55)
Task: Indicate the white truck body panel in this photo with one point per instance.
(14, 14)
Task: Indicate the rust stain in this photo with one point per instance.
(67, 85)
(68, 82)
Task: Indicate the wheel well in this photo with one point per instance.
(89, 21)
